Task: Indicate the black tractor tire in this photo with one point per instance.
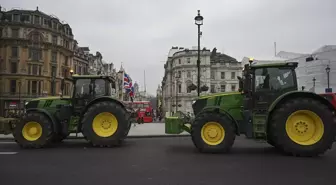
(122, 129)
(47, 131)
(279, 136)
(229, 128)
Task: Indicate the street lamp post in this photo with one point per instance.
(53, 88)
(19, 96)
(328, 73)
(199, 22)
(314, 80)
(176, 91)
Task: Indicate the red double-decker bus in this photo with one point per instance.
(144, 110)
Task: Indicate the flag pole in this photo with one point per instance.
(122, 86)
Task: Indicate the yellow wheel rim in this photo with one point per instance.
(105, 124)
(304, 127)
(212, 133)
(32, 131)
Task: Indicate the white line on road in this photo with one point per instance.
(8, 153)
(7, 142)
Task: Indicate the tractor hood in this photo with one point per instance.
(49, 101)
(223, 99)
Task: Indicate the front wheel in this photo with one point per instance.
(105, 124)
(303, 127)
(213, 133)
(34, 131)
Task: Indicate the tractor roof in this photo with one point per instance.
(93, 77)
(277, 64)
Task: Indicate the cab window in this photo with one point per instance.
(83, 88)
(100, 87)
(274, 79)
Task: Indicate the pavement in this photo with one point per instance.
(161, 161)
(137, 130)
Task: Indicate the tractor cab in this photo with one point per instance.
(261, 85)
(86, 88)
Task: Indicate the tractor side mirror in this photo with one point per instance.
(62, 86)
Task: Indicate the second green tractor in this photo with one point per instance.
(91, 110)
(268, 107)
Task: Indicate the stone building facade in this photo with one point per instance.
(218, 73)
(36, 51)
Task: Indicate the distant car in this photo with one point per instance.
(331, 97)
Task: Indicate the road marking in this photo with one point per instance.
(8, 153)
(7, 142)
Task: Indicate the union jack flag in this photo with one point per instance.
(128, 85)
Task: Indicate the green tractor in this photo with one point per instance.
(268, 107)
(91, 110)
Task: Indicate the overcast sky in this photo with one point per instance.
(139, 33)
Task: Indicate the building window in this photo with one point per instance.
(25, 18)
(16, 18)
(14, 67)
(222, 75)
(28, 87)
(36, 19)
(53, 71)
(39, 87)
(54, 39)
(54, 56)
(179, 74)
(66, 44)
(15, 33)
(53, 88)
(1, 32)
(29, 69)
(35, 53)
(34, 87)
(179, 88)
(79, 70)
(212, 75)
(233, 87)
(12, 86)
(15, 52)
(233, 75)
(39, 70)
(35, 66)
(223, 87)
(212, 88)
(188, 60)
(188, 74)
(179, 61)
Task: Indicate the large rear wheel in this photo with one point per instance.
(303, 127)
(213, 133)
(34, 131)
(105, 124)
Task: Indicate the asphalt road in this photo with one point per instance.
(161, 161)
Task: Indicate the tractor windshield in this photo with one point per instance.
(273, 78)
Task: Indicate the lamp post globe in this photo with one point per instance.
(199, 18)
(327, 69)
